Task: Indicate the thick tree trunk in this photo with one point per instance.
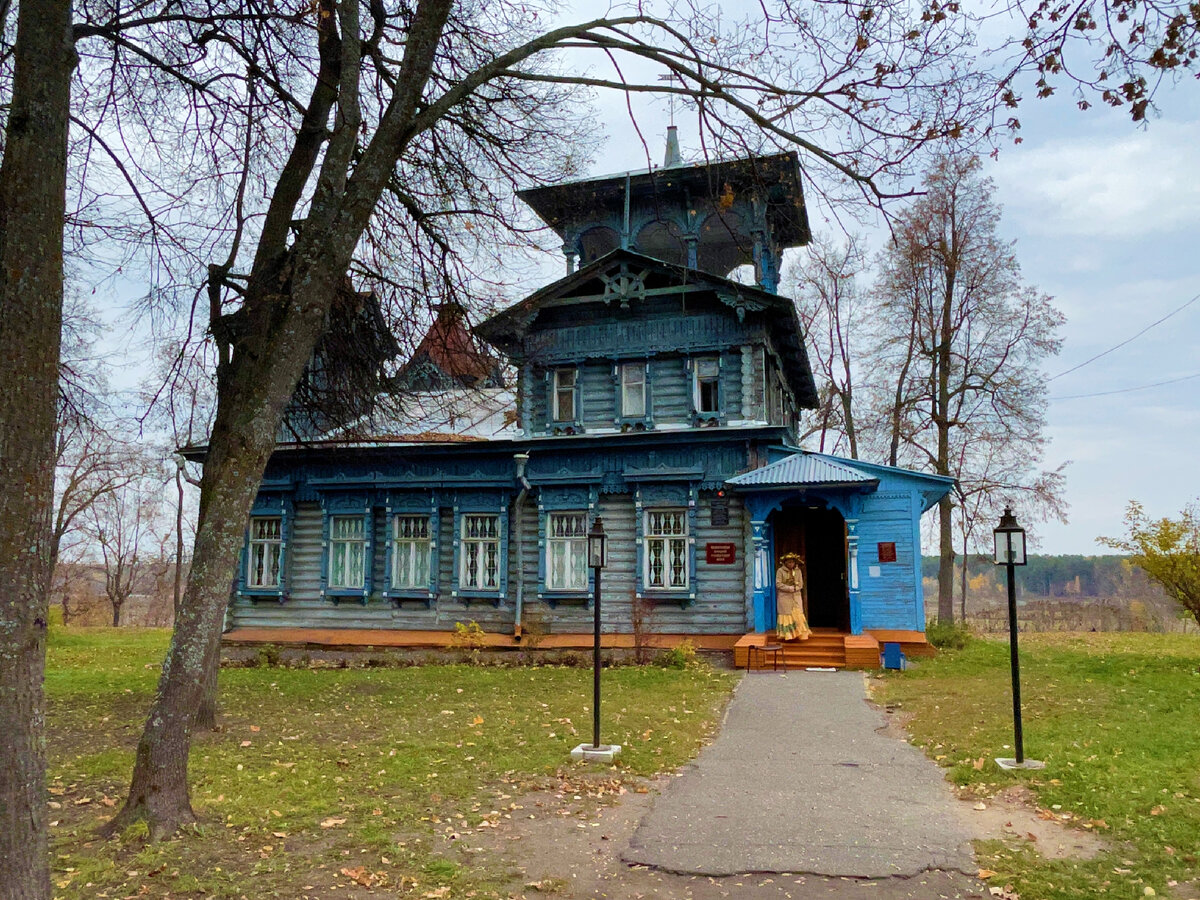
(255, 389)
(206, 709)
(32, 206)
(117, 615)
(158, 791)
(280, 320)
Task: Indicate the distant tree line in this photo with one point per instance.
(1067, 575)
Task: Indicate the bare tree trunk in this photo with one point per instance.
(116, 622)
(32, 206)
(848, 418)
(941, 420)
(963, 579)
(945, 563)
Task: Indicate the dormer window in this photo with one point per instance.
(707, 385)
(564, 395)
(633, 390)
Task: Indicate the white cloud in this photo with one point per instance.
(1124, 185)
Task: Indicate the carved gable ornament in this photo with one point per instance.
(623, 285)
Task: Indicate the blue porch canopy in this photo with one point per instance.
(882, 508)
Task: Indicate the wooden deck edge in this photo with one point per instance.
(913, 643)
(380, 638)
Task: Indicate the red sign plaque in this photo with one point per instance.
(720, 554)
(887, 551)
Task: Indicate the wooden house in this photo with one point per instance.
(653, 391)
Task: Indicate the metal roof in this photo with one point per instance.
(800, 469)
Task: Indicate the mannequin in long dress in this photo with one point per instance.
(791, 624)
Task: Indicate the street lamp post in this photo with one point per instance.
(1010, 551)
(597, 559)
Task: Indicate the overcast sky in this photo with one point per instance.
(1106, 217)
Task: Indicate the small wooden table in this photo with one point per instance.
(761, 650)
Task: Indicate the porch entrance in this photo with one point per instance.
(818, 534)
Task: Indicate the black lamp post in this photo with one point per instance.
(1010, 551)
(597, 555)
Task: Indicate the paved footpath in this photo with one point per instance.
(801, 780)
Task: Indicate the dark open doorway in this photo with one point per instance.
(818, 534)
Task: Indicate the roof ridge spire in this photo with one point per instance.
(673, 157)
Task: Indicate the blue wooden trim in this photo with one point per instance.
(853, 585)
(567, 477)
(485, 503)
(674, 494)
(503, 561)
(556, 499)
(692, 506)
(279, 506)
(630, 423)
(763, 540)
(649, 398)
(664, 474)
(525, 398)
(542, 593)
(918, 605)
(575, 424)
(553, 598)
(389, 529)
(456, 556)
(414, 503)
(435, 531)
(348, 504)
(639, 540)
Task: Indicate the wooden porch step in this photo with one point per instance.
(826, 648)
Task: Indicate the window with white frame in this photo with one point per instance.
(347, 552)
(411, 550)
(633, 390)
(479, 553)
(666, 549)
(564, 394)
(266, 551)
(566, 552)
(707, 387)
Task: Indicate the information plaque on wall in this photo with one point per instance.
(720, 554)
(887, 551)
(719, 510)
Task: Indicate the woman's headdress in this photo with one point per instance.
(796, 556)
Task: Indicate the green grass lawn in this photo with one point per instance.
(327, 771)
(1116, 719)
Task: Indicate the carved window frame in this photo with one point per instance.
(558, 391)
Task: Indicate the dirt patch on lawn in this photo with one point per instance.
(1014, 814)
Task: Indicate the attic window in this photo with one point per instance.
(708, 385)
(564, 395)
(633, 390)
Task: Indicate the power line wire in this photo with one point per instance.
(1141, 387)
(1122, 344)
